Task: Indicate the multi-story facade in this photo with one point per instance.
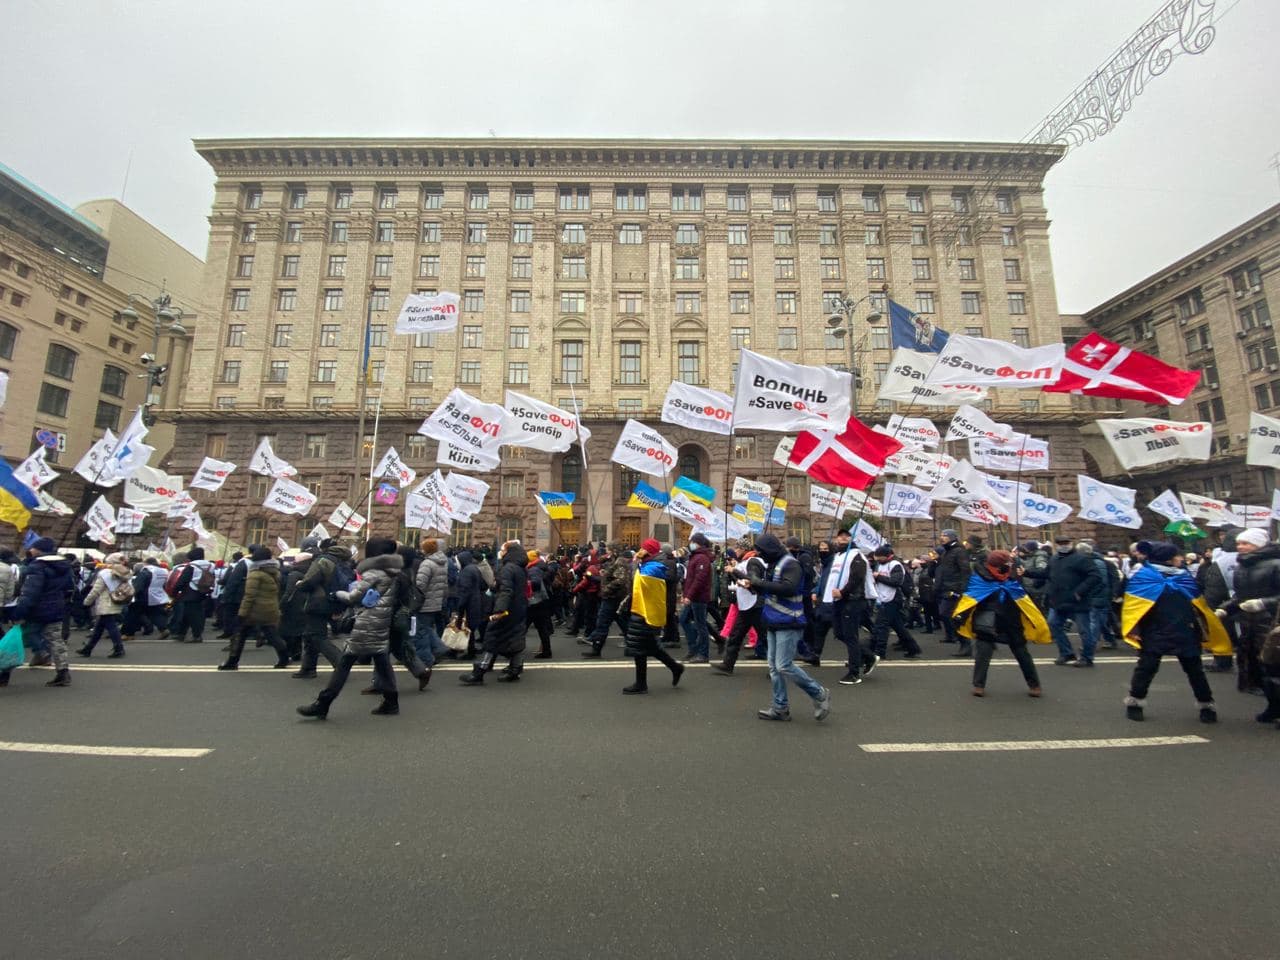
(1210, 311)
(595, 271)
(72, 353)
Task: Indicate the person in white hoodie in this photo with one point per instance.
(111, 592)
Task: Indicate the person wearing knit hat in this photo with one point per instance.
(1252, 609)
(648, 617)
(996, 609)
(695, 597)
(1164, 614)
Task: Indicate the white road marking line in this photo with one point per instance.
(998, 745)
(84, 750)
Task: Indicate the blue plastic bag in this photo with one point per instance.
(11, 650)
(370, 598)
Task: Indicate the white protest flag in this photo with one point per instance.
(183, 505)
(776, 395)
(169, 548)
(428, 313)
(129, 521)
(34, 471)
(392, 466)
(1141, 441)
(1027, 453)
(101, 516)
(937, 468)
(782, 452)
(824, 501)
(1005, 489)
(907, 502)
(102, 535)
(909, 462)
(1107, 503)
(447, 455)
(964, 485)
(319, 532)
(212, 474)
(419, 511)
(285, 496)
(540, 426)
(698, 408)
(1264, 441)
(265, 462)
(51, 504)
(131, 453)
(996, 363)
(860, 502)
(1168, 506)
(645, 449)
(97, 465)
(968, 421)
(4, 388)
(691, 512)
(436, 490)
(464, 421)
(195, 524)
(1034, 510)
(152, 490)
(865, 537)
(904, 381)
(1252, 516)
(1275, 504)
(281, 546)
(743, 488)
(977, 512)
(346, 519)
(468, 493)
(1215, 513)
(912, 431)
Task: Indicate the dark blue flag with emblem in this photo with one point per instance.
(914, 332)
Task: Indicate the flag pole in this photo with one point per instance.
(728, 465)
(586, 466)
(373, 453)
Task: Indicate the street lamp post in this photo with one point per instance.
(841, 324)
(170, 317)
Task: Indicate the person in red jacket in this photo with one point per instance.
(694, 599)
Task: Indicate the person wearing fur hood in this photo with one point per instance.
(111, 592)
(259, 609)
(375, 601)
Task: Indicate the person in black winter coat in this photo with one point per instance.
(1073, 581)
(231, 595)
(888, 573)
(949, 580)
(540, 587)
(504, 635)
(42, 603)
(472, 601)
(1253, 609)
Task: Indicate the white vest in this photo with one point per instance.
(156, 597)
(884, 592)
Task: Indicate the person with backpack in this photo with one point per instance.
(111, 592)
(615, 587)
(42, 605)
(259, 609)
(504, 637)
(374, 602)
(329, 572)
(888, 577)
(189, 584)
(540, 604)
(230, 592)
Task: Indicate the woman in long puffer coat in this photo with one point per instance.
(259, 609)
(108, 583)
(374, 598)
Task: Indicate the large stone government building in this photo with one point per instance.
(597, 269)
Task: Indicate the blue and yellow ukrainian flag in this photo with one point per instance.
(1144, 589)
(17, 500)
(695, 491)
(648, 497)
(649, 593)
(556, 505)
(1034, 627)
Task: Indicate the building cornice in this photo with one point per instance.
(733, 159)
(1155, 286)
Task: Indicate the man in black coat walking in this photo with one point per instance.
(949, 580)
(504, 636)
(1073, 580)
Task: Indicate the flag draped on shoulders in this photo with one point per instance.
(649, 593)
(1143, 590)
(1034, 627)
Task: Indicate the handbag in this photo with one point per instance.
(455, 638)
(11, 650)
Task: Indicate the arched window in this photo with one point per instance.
(688, 466)
(114, 380)
(60, 362)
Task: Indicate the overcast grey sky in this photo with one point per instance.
(87, 82)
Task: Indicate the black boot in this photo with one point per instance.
(60, 679)
(232, 663)
(389, 707)
(318, 709)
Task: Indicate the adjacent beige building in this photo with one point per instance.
(591, 270)
(71, 352)
(1210, 310)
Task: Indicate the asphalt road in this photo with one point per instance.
(556, 818)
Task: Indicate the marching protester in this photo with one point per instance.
(504, 636)
(1165, 614)
(1216, 577)
(695, 597)
(781, 589)
(293, 616)
(149, 610)
(744, 612)
(190, 584)
(889, 576)
(648, 618)
(1071, 585)
(615, 587)
(473, 601)
(432, 579)
(950, 578)
(372, 598)
(111, 592)
(42, 603)
(844, 587)
(540, 603)
(996, 609)
(231, 592)
(1253, 606)
(328, 572)
(259, 609)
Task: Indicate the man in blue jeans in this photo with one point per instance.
(781, 588)
(695, 597)
(1073, 579)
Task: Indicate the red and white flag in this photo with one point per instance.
(853, 458)
(1097, 367)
